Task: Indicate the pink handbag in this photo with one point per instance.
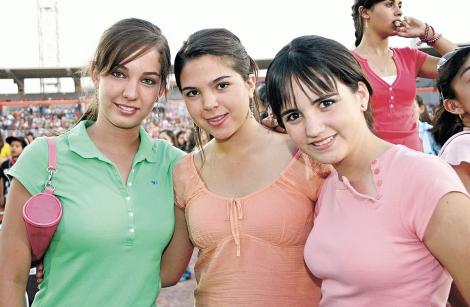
(43, 211)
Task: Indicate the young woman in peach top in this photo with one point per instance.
(246, 198)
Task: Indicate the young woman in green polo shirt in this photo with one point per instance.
(114, 182)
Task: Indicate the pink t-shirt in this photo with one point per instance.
(251, 248)
(393, 105)
(457, 149)
(369, 251)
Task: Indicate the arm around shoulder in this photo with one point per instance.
(15, 252)
(447, 238)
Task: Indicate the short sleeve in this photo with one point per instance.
(306, 175)
(31, 168)
(180, 177)
(420, 58)
(457, 150)
(432, 179)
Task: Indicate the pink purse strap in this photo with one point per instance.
(52, 165)
(52, 153)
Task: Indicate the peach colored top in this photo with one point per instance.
(251, 248)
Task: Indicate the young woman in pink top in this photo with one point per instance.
(392, 72)
(245, 199)
(390, 222)
(452, 122)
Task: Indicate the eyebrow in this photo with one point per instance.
(154, 73)
(326, 96)
(213, 82)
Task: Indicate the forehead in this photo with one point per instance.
(148, 61)
(302, 91)
(206, 68)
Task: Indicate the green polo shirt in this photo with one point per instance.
(108, 246)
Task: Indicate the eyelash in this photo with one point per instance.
(222, 85)
(328, 101)
(120, 75)
(288, 117)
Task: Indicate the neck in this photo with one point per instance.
(357, 165)
(107, 136)
(373, 44)
(242, 140)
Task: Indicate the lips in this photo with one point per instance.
(324, 143)
(128, 110)
(216, 120)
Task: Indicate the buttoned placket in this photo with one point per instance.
(129, 206)
(391, 100)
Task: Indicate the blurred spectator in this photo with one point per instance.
(17, 144)
(181, 140)
(4, 149)
(264, 108)
(29, 137)
(425, 128)
(168, 136)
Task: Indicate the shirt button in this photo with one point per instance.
(390, 89)
(131, 214)
(133, 170)
(131, 229)
(391, 105)
(128, 198)
(391, 97)
(129, 184)
(374, 161)
(376, 171)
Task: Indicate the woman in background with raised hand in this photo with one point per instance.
(247, 196)
(392, 72)
(391, 223)
(114, 183)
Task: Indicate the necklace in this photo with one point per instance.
(382, 66)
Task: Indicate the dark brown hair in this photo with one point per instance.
(316, 62)
(356, 15)
(122, 43)
(221, 43)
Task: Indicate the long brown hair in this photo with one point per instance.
(122, 43)
(356, 15)
(221, 43)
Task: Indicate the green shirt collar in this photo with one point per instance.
(80, 143)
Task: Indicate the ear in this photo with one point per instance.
(95, 76)
(363, 94)
(363, 12)
(453, 106)
(251, 84)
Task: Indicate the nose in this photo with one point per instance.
(398, 11)
(313, 126)
(130, 90)
(209, 101)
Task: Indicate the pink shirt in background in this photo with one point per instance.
(393, 105)
(251, 248)
(369, 250)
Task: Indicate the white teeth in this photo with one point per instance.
(325, 141)
(126, 109)
(215, 119)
